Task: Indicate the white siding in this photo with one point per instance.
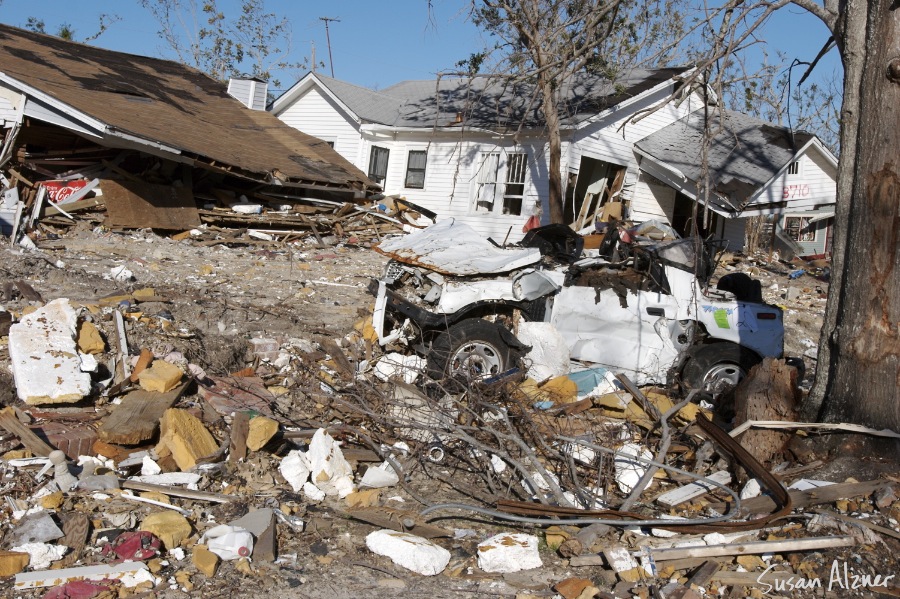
(652, 199)
(734, 233)
(316, 114)
(813, 186)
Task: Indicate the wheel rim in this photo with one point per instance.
(721, 378)
(476, 360)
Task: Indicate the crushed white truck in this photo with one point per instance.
(642, 308)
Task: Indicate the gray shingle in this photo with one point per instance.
(744, 155)
(489, 102)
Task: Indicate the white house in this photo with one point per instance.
(475, 149)
(756, 169)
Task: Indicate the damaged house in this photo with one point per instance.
(758, 170)
(150, 139)
(475, 149)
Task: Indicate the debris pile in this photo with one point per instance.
(145, 447)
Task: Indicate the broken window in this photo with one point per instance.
(799, 228)
(486, 182)
(378, 163)
(415, 169)
(515, 183)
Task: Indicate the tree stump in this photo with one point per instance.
(769, 392)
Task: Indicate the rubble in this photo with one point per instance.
(280, 451)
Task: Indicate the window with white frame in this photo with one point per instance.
(378, 163)
(486, 182)
(415, 169)
(799, 228)
(515, 183)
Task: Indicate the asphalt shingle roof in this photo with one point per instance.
(172, 104)
(745, 152)
(488, 102)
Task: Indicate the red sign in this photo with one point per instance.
(59, 191)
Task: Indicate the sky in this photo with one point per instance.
(374, 43)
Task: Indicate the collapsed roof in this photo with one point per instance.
(163, 108)
(745, 153)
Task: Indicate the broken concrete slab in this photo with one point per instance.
(35, 528)
(409, 551)
(44, 356)
(509, 552)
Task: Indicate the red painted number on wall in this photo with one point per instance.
(795, 191)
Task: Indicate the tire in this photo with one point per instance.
(470, 350)
(717, 368)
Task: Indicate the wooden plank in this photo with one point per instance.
(136, 419)
(29, 439)
(802, 499)
(240, 428)
(756, 547)
(398, 520)
(177, 491)
(75, 206)
(693, 490)
(703, 574)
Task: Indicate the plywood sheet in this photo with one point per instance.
(145, 206)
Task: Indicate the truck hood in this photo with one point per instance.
(453, 248)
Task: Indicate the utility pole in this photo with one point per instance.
(313, 44)
(328, 39)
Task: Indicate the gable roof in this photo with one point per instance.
(481, 101)
(165, 108)
(745, 154)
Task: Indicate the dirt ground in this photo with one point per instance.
(215, 299)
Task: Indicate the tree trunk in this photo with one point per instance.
(551, 115)
(858, 376)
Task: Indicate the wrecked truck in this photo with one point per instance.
(642, 309)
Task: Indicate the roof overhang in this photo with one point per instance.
(674, 178)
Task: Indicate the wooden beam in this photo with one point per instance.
(136, 419)
(29, 439)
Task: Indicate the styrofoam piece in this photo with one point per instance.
(549, 354)
(312, 492)
(228, 542)
(630, 471)
(33, 580)
(149, 467)
(380, 477)
(247, 208)
(509, 552)
(409, 551)
(41, 554)
(88, 363)
(328, 469)
(121, 273)
(44, 356)
(294, 468)
(751, 489)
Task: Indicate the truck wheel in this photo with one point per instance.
(471, 350)
(718, 368)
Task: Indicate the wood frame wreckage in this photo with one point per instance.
(168, 134)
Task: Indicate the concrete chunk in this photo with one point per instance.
(44, 356)
(161, 376)
(509, 552)
(262, 430)
(185, 438)
(409, 551)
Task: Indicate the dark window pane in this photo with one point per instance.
(415, 169)
(378, 162)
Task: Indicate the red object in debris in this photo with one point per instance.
(134, 546)
(79, 589)
(533, 223)
(58, 191)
